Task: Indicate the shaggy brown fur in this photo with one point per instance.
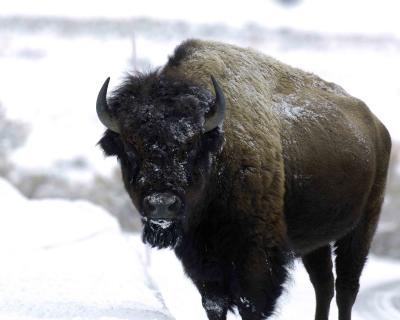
(303, 165)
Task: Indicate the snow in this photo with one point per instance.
(69, 260)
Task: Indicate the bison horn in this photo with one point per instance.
(103, 110)
(218, 113)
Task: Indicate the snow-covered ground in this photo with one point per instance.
(69, 260)
(378, 297)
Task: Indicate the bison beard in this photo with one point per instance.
(161, 233)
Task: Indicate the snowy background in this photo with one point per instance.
(67, 229)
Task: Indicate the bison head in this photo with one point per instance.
(167, 134)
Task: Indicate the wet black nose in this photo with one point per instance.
(161, 206)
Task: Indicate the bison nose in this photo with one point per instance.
(161, 206)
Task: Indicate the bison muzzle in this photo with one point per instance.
(241, 164)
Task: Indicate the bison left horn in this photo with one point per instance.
(218, 111)
(103, 110)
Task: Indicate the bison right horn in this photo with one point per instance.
(103, 110)
(218, 113)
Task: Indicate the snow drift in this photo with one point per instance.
(68, 260)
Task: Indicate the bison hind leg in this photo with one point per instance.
(318, 264)
(352, 251)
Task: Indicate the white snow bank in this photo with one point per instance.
(68, 260)
(45, 224)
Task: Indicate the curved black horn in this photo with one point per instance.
(218, 112)
(103, 111)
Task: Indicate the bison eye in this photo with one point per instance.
(132, 158)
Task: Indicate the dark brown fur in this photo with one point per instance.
(303, 165)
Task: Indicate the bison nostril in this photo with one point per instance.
(161, 205)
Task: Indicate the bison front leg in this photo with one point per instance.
(214, 298)
(260, 278)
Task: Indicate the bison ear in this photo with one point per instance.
(215, 117)
(213, 141)
(111, 144)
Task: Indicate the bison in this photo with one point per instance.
(241, 164)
